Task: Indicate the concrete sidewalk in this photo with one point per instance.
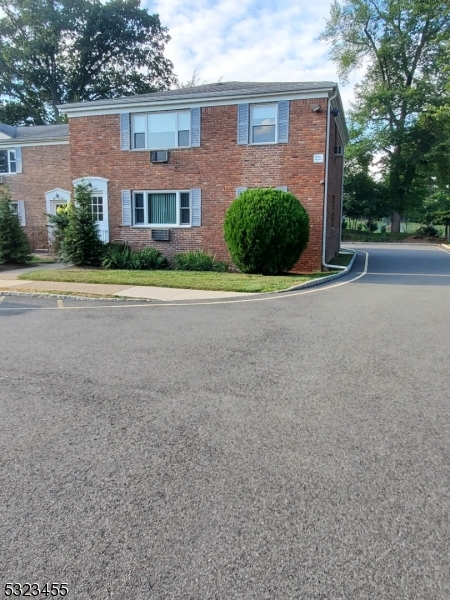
(9, 282)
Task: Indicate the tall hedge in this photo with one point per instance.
(266, 231)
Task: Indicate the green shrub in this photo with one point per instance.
(198, 260)
(427, 231)
(266, 231)
(150, 258)
(81, 244)
(14, 246)
(58, 225)
(117, 256)
(121, 256)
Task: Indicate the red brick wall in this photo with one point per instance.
(335, 174)
(44, 168)
(218, 167)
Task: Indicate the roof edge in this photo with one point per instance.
(128, 101)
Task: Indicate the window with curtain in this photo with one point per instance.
(162, 208)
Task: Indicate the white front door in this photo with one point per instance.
(99, 187)
(100, 212)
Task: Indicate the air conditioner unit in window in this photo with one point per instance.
(159, 156)
(160, 235)
(339, 151)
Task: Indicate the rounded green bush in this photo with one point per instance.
(266, 231)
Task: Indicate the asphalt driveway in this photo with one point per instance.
(291, 446)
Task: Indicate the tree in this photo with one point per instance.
(81, 244)
(14, 247)
(58, 51)
(404, 46)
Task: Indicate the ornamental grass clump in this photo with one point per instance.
(266, 231)
(198, 260)
(121, 256)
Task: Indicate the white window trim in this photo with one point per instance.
(177, 225)
(147, 147)
(9, 172)
(19, 206)
(250, 124)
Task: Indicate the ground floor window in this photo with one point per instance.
(97, 207)
(156, 208)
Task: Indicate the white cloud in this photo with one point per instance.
(248, 40)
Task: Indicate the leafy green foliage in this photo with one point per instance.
(81, 244)
(14, 247)
(404, 47)
(266, 231)
(121, 256)
(427, 231)
(198, 260)
(76, 50)
(58, 224)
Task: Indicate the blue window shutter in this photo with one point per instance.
(196, 199)
(283, 122)
(195, 127)
(282, 188)
(239, 191)
(21, 212)
(242, 124)
(126, 207)
(124, 131)
(18, 159)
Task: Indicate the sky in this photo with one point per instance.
(249, 40)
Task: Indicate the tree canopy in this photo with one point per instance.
(58, 51)
(404, 47)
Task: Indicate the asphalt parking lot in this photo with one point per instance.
(286, 446)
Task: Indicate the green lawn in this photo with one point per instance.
(343, 259)
(195, 280)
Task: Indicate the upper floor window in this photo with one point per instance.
(8, 163)
(161, 130)
(263, 123)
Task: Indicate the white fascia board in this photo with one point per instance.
(185, 104)
(13, 143)
(340, 120)
(5, 136)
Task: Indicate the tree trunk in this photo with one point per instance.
(395, 222)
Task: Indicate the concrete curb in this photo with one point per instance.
(68, 297)
(321, 280)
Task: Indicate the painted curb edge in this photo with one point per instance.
(321, 280)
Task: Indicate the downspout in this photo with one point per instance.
(325, 202)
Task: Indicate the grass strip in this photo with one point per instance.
(343, 259)
(194, 280)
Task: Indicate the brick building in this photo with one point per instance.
(34, 165)
(164, 167)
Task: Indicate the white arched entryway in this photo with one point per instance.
(99, 186)
(53, 200)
